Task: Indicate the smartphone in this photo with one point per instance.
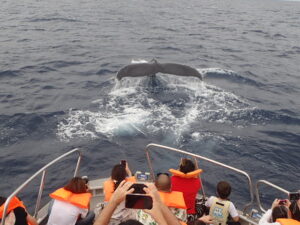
(123, 163)
(138, 188)
(137, 201)
(282, 202)
(294, 196)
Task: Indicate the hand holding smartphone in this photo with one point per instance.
(138, 199)
(282, 202)
(123, 163)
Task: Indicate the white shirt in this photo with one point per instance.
(64, 213)
(266, 219)
(232, 210)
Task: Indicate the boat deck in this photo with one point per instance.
(96, 186)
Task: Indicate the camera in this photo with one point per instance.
(294, 196)
(138, 188)
(142, 177)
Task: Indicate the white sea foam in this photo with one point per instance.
(130, 109)
(205, 71)
(139, 61)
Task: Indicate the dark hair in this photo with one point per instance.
(131, 222)
(76, 185)
(2, 200)
(295, 211)
(186, 166)
(279, 212)
(163, 186)
(118, 174)
(196, 222)
(223, 189)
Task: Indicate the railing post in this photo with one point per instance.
(38, 201)
(6, 204)
(43, 171)
(202, 186)
(251, 192)
(268, 184)
(77, 165)
(150, 164)
(258, 198)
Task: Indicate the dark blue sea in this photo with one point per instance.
(59, 59)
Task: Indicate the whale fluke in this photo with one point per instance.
(151, 69)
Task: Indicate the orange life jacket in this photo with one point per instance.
(193, 174)
(109, 187)
(288, 222)
(173, 199)
(81, 200)
(14, 203)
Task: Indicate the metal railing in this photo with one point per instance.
(268, 184)
(41, 188)
(250, 184)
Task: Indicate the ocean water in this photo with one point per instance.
(58, 62)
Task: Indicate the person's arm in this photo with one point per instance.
(236, 218)
(196, 164)
(128, 171)
(265, 219)
(157, 215)
(233, 213)
(31, 220)
(206, 219)
(169, 217)
(209, 202)
(83, 213)
(117, 197)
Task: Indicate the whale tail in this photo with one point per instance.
(150, 69)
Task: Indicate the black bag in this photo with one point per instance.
(201, 209)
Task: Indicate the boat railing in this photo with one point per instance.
(41, 172)
(267, 183)
(150, 147)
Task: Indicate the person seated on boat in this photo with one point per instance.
(16, 213)
(295, 209)
(71, 204)
(221, 207)
(119, 173)
(279, 214)
(173, 199)
(187, 180)
(160, 212)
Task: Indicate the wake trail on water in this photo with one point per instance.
(168, 105)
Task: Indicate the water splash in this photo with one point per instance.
(134, 107)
